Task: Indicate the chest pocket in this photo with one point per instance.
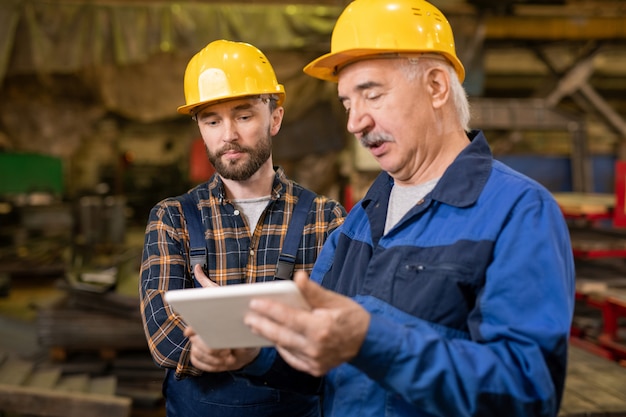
(439, 292)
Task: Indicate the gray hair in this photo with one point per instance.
(416, 66)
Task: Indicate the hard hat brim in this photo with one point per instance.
(327, 66)
(190, 109)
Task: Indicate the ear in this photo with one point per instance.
(438, 85)
(277, 120)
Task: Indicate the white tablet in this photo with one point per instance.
(216, 313)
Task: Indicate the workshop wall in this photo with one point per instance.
(97, 85)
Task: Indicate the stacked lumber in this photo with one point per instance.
(94, 330)
(92, 318)
(45, 391)
(65, 327)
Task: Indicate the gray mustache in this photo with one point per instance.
(372, 139)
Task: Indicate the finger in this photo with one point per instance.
(300, 362)
(198, 344)
(202, 278)
(212, 363)
(212, 356)
(299, 275)
(244, 356)
(313, 293)
(189, 332)
(251, 352)
(280, 328)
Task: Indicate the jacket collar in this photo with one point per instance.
(461, 183)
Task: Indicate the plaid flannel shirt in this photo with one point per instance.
(236, 254)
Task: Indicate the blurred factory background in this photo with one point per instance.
(90, 140)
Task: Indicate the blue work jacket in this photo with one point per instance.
(471, 297)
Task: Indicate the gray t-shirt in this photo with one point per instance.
(252, 208)
(402, 199)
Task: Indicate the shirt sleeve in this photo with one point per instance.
(164, 268)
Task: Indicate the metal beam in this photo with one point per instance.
(554, 28)
(571, 81)
(535, 114)
(521, 114)
(576, 79)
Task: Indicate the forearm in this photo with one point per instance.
(444, 374)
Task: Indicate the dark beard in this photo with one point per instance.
(241, 171)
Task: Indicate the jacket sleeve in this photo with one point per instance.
(513, 363)
(163, 268)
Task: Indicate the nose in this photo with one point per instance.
(359, 120)
(230, 133)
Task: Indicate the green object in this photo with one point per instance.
(26, 173)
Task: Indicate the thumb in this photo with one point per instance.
(312, 292)
(202, 278)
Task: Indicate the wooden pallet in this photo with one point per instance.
(31, 390)
(585, 204)
(594, 386)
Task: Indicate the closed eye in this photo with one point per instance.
(244, 117)
(209, 121)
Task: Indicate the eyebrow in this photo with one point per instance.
(361, 87)
(242, 106)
